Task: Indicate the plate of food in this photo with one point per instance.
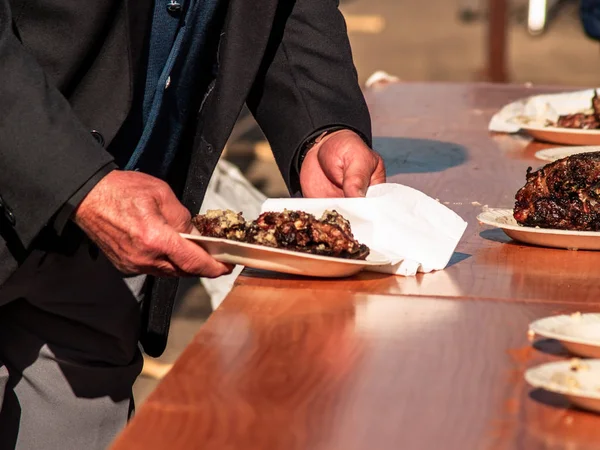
(578, 333)
(576, 128)
(559, 205)
(578, 380)
(556, 153)
(291, 242)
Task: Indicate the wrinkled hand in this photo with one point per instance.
(136, 220)
(341, 165)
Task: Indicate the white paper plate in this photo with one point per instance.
(554, 154)
(286, 261)
(544, 237)
(581, 386)
(578, 333)
(567, 136)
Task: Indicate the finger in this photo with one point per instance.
(379, 175)
(192, 260)
(357, 177)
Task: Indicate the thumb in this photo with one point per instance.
(357, 177)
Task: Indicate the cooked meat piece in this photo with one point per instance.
(299, 231)
(564, 194)
(286, 229)
(579, 120)
(596, 104)
(334, 218)
(582, 120)
(333, 234)
(221, 224)
(290, 230)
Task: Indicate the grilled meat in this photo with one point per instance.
(578, 120)
(564, 194)
(582, 120)
(332, 233)
(299, 231)
(291, 230)
(596, 104)
(283, 230)
(221, 224)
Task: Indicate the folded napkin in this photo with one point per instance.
(537, 109)
(414, 231)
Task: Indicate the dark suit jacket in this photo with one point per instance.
(69, 68)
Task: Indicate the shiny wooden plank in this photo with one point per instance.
(434, 137)
(301, 369)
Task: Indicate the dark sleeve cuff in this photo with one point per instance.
(65, 213)
(305, 147)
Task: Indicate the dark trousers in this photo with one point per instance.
(69, 354)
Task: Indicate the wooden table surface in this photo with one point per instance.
(434, 361)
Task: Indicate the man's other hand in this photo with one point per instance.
(340, 165)
(136, 220)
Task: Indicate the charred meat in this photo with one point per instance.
(332, 234)
(290, 230)
(582, 120)
(299, 231)
(221, 224)
(579, 120)
(564, 194)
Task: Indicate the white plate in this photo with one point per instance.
(554, 154)
(544, 237)
(581, 387)
(567, 136)
(578, 333)
(286, 261)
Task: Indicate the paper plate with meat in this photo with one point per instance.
(576, 128)
(559, 206)
(290, 242)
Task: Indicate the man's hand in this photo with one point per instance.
(341, 165)
(136, 220)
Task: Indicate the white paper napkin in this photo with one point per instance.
(535, 110)
(416, 232)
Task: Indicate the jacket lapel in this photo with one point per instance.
(242, 46)
(139, 15)
(243, 43)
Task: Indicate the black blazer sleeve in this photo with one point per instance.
(46, 153)
(307, 81)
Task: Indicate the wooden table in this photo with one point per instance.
(430, 362)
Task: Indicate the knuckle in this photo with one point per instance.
(148, 238)
(162, 188)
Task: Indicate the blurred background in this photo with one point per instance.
(519, 41)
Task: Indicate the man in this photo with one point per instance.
(114, 114)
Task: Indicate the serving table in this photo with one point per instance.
(434, 361)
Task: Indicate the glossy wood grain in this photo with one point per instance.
(313, 370)
(434, 137)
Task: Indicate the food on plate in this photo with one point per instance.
(564, 194)
(221, 224)
(581, 120)
(578, 120)
(331, 235)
